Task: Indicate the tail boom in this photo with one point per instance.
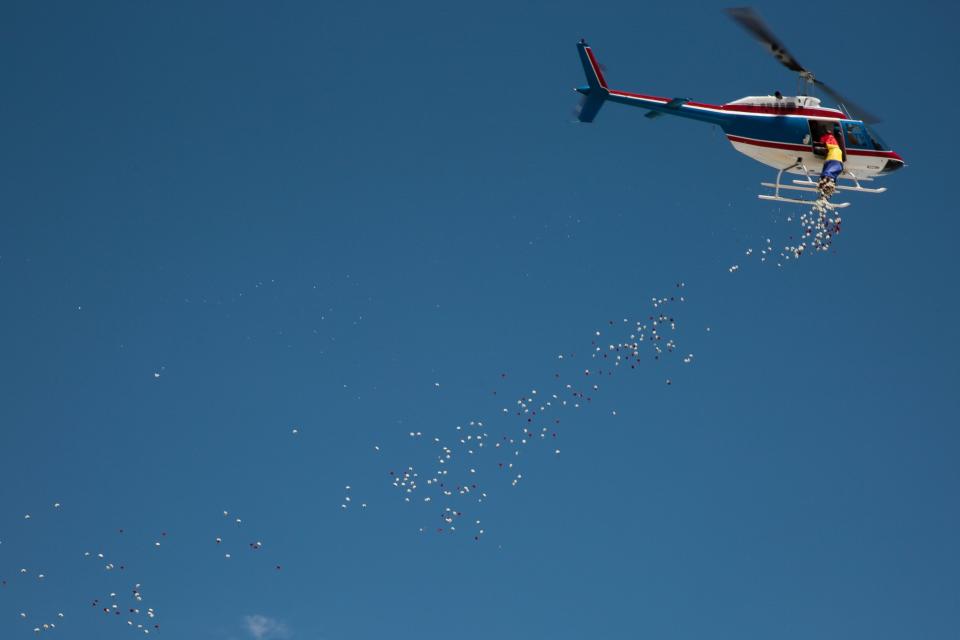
(596, 93)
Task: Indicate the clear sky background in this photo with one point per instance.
(308, 214)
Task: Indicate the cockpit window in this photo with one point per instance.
(876, 140)
(856, 135)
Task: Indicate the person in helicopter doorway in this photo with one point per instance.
(832, 165)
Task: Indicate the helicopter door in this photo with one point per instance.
(817, 129)
(838, 134)
(820, 127)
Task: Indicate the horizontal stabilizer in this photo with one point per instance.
(590, 106)
(673, 104)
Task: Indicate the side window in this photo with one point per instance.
(856, 136)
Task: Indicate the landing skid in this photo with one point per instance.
(840, 187)
(810, 186)
(826, 204)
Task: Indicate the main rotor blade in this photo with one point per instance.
(852, 107)
(747, 18)
(750, 20)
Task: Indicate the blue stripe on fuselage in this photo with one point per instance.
(775, 129)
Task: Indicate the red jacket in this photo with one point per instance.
(834, 152)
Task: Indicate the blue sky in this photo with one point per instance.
(220, 223)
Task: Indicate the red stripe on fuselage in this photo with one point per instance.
(784, 111)
(639, 95)
(661, 99)
(805, 147)
(769, 143)
(876, 154)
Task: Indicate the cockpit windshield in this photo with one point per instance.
(877, 141)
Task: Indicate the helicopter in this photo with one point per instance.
(779, 131)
